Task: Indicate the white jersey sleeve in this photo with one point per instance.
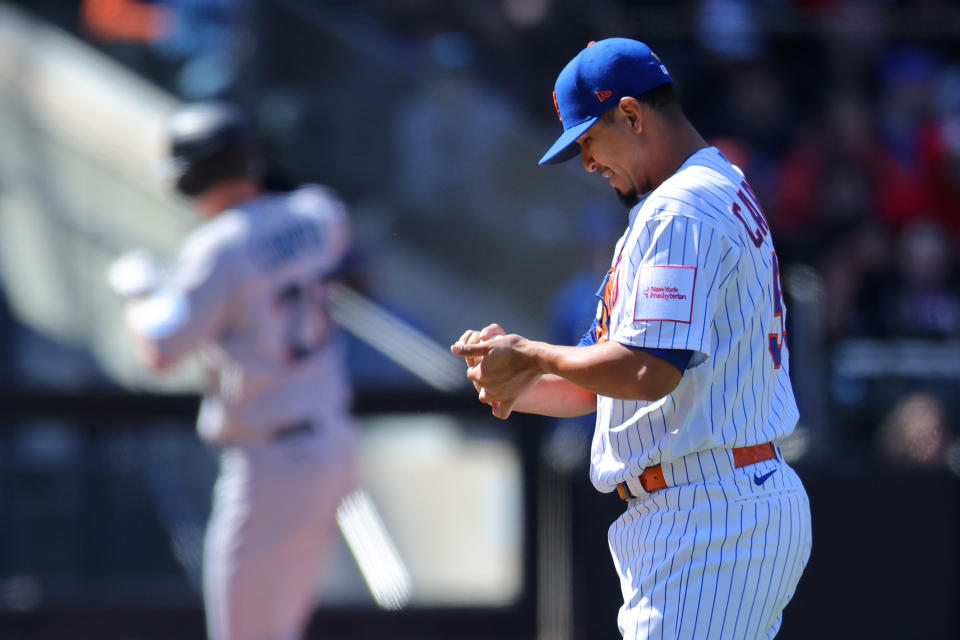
(673, 277)
(191, 306)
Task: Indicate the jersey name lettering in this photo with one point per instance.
(286, 245)
(758, 233)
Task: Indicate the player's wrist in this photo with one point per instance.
(537, 355)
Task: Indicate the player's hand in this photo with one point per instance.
(134, 274)
(505, 370)
(471, 336)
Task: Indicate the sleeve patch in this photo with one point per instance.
(665, 293)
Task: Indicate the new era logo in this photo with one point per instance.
(603, 95)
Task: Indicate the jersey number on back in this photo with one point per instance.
(305, 320)
(777, 340)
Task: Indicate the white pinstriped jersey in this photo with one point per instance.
(696, 270)
(248, 292)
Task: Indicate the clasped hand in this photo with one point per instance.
(498, 365)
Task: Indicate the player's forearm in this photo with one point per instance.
(608, 369)
(556, 397)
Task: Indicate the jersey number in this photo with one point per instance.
(305, 322)
(777, 340)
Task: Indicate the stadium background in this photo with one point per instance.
(428, 117)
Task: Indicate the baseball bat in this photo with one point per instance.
(377, 557)
(395, 339)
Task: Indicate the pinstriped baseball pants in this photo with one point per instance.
(718, 557)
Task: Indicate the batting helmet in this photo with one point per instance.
(209, 142)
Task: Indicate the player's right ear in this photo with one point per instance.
(632, 111)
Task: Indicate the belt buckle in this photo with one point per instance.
(635, 487)
(631, 488)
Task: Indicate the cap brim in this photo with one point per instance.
(566, 146)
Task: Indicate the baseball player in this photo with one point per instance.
(686, 365)
(247, 292)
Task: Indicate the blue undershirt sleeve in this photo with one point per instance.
(590, 337)
(679, 358)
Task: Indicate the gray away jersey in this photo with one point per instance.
(696, 270)
(248, 292)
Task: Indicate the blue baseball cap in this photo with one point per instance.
(594, 81)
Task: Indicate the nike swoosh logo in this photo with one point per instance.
(760, 479)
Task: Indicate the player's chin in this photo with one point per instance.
(628, 198)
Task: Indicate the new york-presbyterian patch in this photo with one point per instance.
(665, 292)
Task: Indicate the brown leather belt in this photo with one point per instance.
(652, 477)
